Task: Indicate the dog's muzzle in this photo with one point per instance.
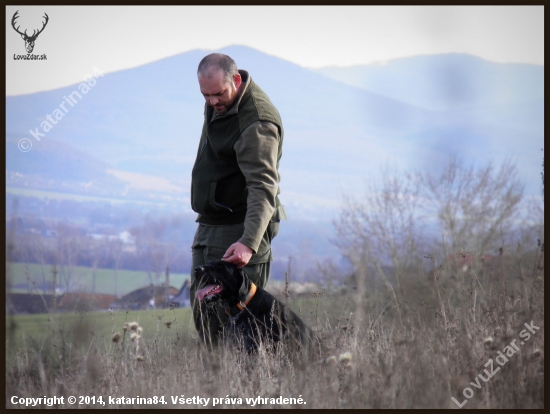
(209, 290)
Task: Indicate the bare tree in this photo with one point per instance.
(68, 245)
(475, 207)
(97, 249)
(115, 247)
(384, 224)
(387, 234)
(150, 246)
(38, 252)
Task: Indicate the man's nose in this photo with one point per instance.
(213, 101)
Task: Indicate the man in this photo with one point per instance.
(235, 180)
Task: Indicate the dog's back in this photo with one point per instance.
(267, 319)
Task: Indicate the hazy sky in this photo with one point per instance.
(110, 38)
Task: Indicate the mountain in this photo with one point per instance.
(53, 160)
(339, 130)
(447, 81)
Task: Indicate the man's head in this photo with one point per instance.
(219, 81)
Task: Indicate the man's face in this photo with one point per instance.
(219, 93)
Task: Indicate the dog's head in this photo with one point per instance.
(221, 281)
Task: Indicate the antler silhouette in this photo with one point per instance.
(29, 40)
(34, 36)
(15, 16)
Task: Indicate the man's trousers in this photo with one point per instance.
(210, 244)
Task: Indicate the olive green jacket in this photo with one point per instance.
(235, 178)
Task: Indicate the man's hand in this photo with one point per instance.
(238, 254)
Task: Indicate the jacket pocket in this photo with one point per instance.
(214, 205)
(212, 196)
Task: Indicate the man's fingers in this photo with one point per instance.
(238, 254)
(230, 256)
(232, 259)
(235, 260)
(229, 252)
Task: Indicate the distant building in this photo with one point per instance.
(126, 237)
(466, 260)
(181, 299)
(128, 241)
(51, 233)
(24, 303)
(146, 298)
(71, 302)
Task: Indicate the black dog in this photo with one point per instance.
(255, 315)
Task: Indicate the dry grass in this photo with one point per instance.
(416, 347)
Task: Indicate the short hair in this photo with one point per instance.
(217, 61)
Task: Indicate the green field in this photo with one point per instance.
(29, 331)
(25, 330)
(23, 275)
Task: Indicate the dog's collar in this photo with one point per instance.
(248, 298)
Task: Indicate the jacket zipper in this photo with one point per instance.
(193, 170)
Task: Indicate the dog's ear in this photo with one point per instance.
(245, 285)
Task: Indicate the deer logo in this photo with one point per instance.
(29, 40)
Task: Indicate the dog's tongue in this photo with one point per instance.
(208, 291)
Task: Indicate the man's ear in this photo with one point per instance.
(237, 80)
